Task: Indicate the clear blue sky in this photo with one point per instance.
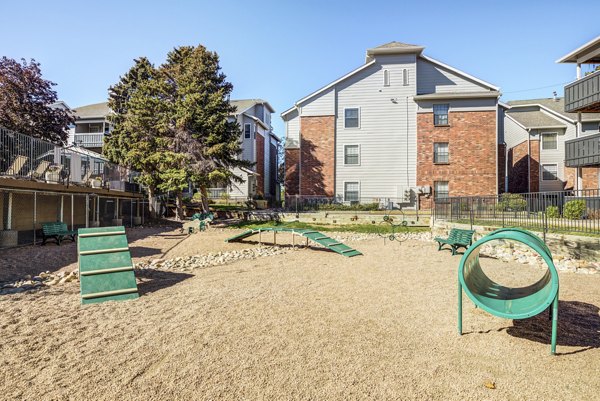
(281, 51)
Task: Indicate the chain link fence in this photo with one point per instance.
(23, 212)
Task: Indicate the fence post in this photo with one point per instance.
(502, 211)
(34, 216)
(545, 224)
(72, 214)
(131, 212)
(471, 213)
(87, 210)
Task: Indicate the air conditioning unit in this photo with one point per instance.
(426, 189)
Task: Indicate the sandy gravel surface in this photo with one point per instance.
(308, 324)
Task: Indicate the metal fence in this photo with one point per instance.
(25, 157)
(22, 213)
(302, 203)
(556, 211)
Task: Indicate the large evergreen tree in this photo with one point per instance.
(25, 99)
(199, 93)
(171, 123)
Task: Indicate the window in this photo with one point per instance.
(549, 172)
(351, 192)
(405, 77)
(351, 154)
(440, 152)
(246, 130)
(549, 140)
(351, 118)
(440, 191)
(386, 78)
(440, 114)
(95, 128)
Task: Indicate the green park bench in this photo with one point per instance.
(456, 239)
(57, 230)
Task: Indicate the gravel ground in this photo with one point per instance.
(289, 324)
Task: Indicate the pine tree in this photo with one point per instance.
(203, 131)
(25, 99)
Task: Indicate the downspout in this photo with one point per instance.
(578, 178)
(529, 160)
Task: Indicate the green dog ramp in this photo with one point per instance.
(105, 266)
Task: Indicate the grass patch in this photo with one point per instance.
(357, 228)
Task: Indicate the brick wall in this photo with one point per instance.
(260, 164)
(518, 157)
(317, 155)
(534, 165)
(570, 177)
(291, 171)
(473, 149)
(589, 176)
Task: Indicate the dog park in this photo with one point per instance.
(267, 316)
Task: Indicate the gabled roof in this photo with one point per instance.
(461, 73)
(535, 119)
(394, 48)
(96, 110)
(554, 106)
(244, 104)
(589, 53)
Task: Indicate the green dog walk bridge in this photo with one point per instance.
(312, 235)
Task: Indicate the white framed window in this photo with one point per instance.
(549, 172)
(351, 155)
(386, 77)
(441, 154)
(247, 128)
(441, 191)
(405, 77)
(440, 114)
(352, 117)
(549, 141)
(95, 128)
(351, 191)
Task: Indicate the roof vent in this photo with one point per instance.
(554, 96)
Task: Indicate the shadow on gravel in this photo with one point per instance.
(156, 280)
(578, 326)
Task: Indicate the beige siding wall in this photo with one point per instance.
(435, 79)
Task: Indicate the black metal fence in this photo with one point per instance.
(302, 203)
(557, 211)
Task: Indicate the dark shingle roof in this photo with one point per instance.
(558, 106)
(536, 119)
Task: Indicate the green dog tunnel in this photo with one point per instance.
(507, 302)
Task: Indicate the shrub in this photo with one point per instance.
(341, 206)
(574, 209)
(511, 203)
(552, 212)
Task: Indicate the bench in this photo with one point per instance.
(456, 239)
(57, 230)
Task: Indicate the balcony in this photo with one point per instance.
(25, 157)
(89, 140)
(583, 95)
(583, 152)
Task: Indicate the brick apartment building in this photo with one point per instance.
(402, 127)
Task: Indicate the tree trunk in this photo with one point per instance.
(151, 202)
(204, 197)
(179, 206)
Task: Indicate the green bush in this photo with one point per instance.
(574, 209)
(552, 212)
(361, 206)
(511, 203)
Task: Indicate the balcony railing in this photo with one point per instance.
(582, 152)
(89, 140)
(25, 157)
(583, 95)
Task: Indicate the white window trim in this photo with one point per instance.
(447, 146)
(344, 189)
(542, 171)
(405, 77)
(249, 132)
(435, 191)
(359, 117)
(386, 77)
(352, 165)
(548, 133)
(447, 114)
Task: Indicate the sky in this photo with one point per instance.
(281, 51)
